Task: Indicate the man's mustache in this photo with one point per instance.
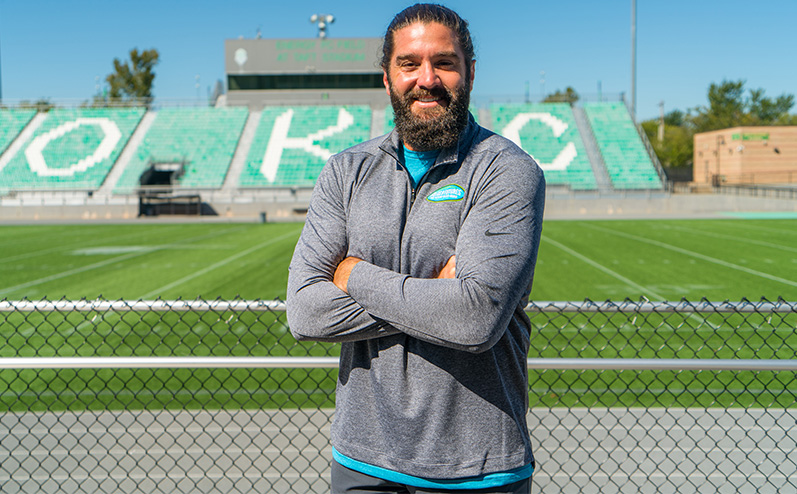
(437, 93)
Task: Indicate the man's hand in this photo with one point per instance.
(449, 270)
(341, 277)
(343, 271)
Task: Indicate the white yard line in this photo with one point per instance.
(696, 255)
(72, 245)
(79, 270)
(752, 226)
(217, 265)
(736, 239)
(645, 290)
(104, 263)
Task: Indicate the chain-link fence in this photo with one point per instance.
(216, 396)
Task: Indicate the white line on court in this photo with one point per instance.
(106, 262)
(219, 264)
(613, 274)
(696, 255)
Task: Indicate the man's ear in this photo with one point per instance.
(472, 73)
(386, 82)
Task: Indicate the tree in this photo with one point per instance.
(568, 96)
(131, 82)
(675, 151)
(729, 107)
(42, 105)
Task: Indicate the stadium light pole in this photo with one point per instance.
(323, 20)
(1, 80)
(633, 60)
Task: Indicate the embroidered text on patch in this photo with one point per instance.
(451, 192)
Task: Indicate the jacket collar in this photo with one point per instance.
(391, 142)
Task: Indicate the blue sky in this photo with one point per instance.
(57, 49)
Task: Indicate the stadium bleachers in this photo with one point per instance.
(205, 138)
(624, 154)
(72, 149)
(12, 121)
(292, 144)
(548, 132)
(76, 148)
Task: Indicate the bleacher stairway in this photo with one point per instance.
(593, 153)
(242, 152)
(22, 139)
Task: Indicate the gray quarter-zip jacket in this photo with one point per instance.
(433, 380)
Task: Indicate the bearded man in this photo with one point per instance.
(418, 255)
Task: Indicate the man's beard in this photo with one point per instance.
(434, 129)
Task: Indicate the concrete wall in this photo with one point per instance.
(282, 206)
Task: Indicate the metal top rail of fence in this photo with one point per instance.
(587, 306)
(221, 306)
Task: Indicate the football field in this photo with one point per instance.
(718, 260)
(663, 260)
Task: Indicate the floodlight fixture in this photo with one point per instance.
(323, 20)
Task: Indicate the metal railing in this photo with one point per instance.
(216, 396)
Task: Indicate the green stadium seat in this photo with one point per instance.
(548, 132)
(12, 121)
(72, 149)
(623, 152)
(292, 144)
(204, 137)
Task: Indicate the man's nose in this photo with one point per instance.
(427, 77)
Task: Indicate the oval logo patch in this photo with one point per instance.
(451, 192)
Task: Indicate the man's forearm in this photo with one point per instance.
(343, 271)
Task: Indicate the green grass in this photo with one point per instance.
(667, 260)
(598, 260)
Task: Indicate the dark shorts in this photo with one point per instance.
(347, 481)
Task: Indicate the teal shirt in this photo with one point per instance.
(418, 163)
